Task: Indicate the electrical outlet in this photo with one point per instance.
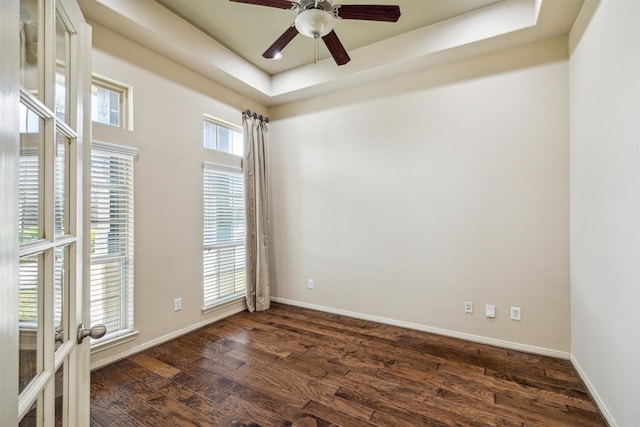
(310, 283)
(468, 307)
(177, 304)
(515, 313)
(490, 310)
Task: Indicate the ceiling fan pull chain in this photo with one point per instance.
(316, 49)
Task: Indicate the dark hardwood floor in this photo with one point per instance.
(292, 366)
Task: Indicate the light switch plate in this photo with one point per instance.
(490, 310)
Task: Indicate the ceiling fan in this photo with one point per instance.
(315, 20)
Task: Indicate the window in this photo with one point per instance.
(224, 234)
(110, 103)
(112, 238)
(222, 136)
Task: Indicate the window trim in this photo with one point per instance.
(115, 340)
(219, 122)
(108, 147)
(126, 99)
(123, 335)
(216, 304)
(223, 303)
(223, 124)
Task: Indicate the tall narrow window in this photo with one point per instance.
(224, 234)
(112, 238)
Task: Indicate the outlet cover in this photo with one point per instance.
(515, 313)
(177, 304)
(468, 307)
(310, 283)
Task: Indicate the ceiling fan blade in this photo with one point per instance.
(368, 12)
(282, 41)
(336, 48)
(280, 4)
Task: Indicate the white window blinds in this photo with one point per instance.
(112, 238)
(224, 234)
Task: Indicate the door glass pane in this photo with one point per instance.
(34, 414)
(61, 195)
(30, 49)
(29, 319)
(60, 296)
(60, 402)
(29, 175)
(62, 80)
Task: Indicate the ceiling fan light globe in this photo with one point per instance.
(314, 23)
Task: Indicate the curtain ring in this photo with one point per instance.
(256, 116)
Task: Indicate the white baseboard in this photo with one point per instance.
(596, 397)
(424, 328)
(173, 335)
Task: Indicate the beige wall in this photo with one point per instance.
(401, 199)
(169, 104)
(605, 207)
(404, 198)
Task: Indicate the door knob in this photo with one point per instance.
(95, 332)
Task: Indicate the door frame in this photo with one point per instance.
(9, 155)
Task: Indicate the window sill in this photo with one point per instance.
(223, 303)
(115, 341)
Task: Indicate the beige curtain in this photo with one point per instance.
(257, 210)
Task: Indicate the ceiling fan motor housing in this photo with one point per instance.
(314, 4)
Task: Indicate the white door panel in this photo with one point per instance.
(46, 77)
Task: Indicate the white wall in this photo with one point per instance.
(605, 207)
(169, 104)
(404, 198)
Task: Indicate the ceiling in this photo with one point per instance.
(249, 30)
(225, 40)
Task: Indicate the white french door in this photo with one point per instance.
(48, 50)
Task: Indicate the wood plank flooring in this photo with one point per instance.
(295, 367)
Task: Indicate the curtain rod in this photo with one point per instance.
(248, 113)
